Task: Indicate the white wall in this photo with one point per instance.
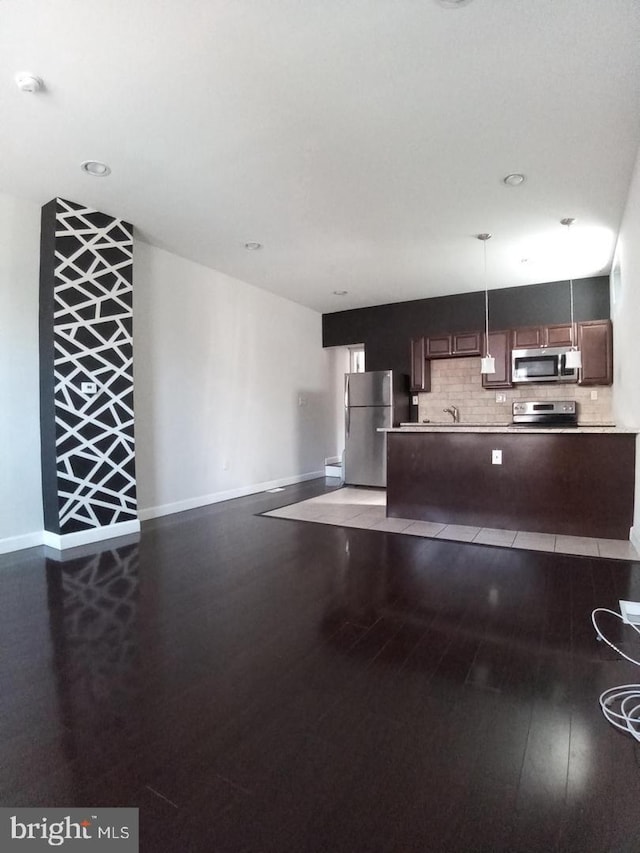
(625, 312)
(20, 484)
(340, 364)
(219, 368)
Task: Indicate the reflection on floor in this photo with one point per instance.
(259, 686)
(366, 508)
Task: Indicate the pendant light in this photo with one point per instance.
(488, 362)
(573, 359)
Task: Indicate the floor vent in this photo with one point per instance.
(333, 470)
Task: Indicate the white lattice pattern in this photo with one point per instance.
(93, 343)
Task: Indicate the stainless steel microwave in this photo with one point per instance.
(547, 364)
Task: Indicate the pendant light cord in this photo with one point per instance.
(570, 280)
(571, 295)
(486, 303)
(568, 222)
(484, 237)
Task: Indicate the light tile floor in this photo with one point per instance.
(366, 509)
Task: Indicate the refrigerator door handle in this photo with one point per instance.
(346, 404)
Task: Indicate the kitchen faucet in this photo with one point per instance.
(455, 414)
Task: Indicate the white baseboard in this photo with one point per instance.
(634, 537)
(112, 531)
(19, 543)
(84, 537)
(229, 494)
(68, 540)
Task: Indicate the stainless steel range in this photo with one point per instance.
(545, 413)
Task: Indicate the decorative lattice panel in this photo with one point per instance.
(86, 337)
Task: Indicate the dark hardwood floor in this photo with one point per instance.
(257, 684)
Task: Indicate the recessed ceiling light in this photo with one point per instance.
(95, 168)
(514, 180)
(27, 82)
(253, 246)
(340, 292)
(452, 4)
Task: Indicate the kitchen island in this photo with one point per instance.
(572, 481)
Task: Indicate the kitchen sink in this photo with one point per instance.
(457, 425)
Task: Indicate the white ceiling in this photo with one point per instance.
(363, 142)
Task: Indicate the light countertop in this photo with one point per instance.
(508, 428)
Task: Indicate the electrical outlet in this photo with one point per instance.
(88, 388)
(594, 394)
(501, 397)
(496, 457)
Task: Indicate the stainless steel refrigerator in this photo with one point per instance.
(372, 401)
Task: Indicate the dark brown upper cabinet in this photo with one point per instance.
(595, 340)
(448, 346)
(420, 367)
(466, 343)
(559, 335)
(536, 337)
(500, 349)
(528, 337)
(594, 337)
(438, 347)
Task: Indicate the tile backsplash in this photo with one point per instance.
(458, 382)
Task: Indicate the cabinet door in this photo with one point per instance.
(595, 339)
(558, 335)
(467, 343)
(528, 337)
(500, 349)
(420, 367)
(438, 347)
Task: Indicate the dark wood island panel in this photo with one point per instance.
(575, 484)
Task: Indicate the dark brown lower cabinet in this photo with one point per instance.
(578, 484)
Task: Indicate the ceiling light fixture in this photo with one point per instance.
(252, 246)
(573, 359)
(29, 82)
(488, 362)
(452, 4)
(95, 168)
(514, 180)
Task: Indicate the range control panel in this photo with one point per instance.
(546, 407)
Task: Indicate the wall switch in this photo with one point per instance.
(501, 397)
(594, 394)
(414, 400)
(88, 388)
(496, 457)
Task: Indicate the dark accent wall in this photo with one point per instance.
(386, 330)
(86, 317)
